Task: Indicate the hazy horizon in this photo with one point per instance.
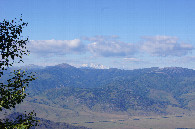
(94, 66)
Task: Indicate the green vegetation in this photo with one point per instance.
(13, 47)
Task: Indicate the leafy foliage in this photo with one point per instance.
(12, 91)
(11, 43)
(21, 121)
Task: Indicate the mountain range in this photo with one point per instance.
(78, 91)
(121, 89)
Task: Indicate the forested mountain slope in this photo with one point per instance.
(64, 93)
(150, 89)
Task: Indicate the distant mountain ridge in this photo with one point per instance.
(64, 91)
(121, 89)
(90, 77)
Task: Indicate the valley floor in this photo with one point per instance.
(97, 120)
(137, 122)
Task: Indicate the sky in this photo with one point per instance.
(125, 34)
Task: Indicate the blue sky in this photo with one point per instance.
(125, 34)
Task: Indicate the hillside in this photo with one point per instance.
(150, 89)
(64, 93)
(47, 124)
(120, 88)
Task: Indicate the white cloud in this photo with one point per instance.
(57, 47)
(165, 46)
(110, 47)
(132, 60)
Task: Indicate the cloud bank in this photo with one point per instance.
(164, 46)
(57, 47)
(111, 46)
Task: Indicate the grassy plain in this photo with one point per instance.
(101, 120)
